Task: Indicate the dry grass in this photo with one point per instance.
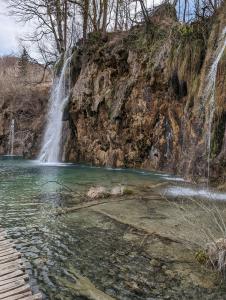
(205, 223)
(12, 81)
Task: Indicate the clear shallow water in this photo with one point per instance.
(92, 244)
(30, 194)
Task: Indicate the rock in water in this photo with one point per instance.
(97, 192)
(117, 190)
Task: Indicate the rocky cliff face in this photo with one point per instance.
(26, 103)
(138, 100)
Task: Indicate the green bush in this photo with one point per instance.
(201, 257)
(186, 31)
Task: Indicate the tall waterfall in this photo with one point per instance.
(50, 151)
(11, 137)
(210, 89)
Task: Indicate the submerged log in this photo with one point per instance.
(88, 204)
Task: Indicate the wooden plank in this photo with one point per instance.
(13, 279)
(12, 275)
(11, 286)
(20, 290)
(19, 296)
(24, 277)
(10, 256)
(7, 247)
(15, 254)
(18, 263)
(5, 241)
(5, 272)
(7, 252)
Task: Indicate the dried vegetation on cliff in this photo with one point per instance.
(137, 99)
(23, 100)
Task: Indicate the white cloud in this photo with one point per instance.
(10, 31)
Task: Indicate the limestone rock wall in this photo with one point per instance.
(137, 100)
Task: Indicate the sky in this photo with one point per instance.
(10, 30)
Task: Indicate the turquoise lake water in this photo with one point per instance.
(31, 193)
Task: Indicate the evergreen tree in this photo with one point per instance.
(23, 63)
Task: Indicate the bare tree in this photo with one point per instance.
(58, 24)
(49, 19)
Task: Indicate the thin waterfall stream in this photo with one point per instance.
(11, 137)
(210, 92)
(50, 151)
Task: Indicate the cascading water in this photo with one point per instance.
(210, 91)
(50, 151)
(11, 137)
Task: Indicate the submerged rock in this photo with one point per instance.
(117, 190)
(102, 192)
(83, 287)
(97, 192)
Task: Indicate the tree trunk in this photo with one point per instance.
(105, 11)
(95, 27)
(53, 27)
(116, 15)
(85, 19)
(59, 24)
(65, 23)
(185, 10)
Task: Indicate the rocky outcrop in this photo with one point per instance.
(137, 100)
(29, 113)
(25, 102)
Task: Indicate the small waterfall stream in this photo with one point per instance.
(11, 137)
(50, 152)
(210, 91)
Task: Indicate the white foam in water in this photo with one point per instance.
(190, 192)
(166, 177)
(52, 164)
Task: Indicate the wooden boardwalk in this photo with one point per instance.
(13, 279)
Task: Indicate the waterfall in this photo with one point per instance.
(50, 151)
(210, 90)
(11, 137)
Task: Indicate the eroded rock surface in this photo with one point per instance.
(138, 100)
